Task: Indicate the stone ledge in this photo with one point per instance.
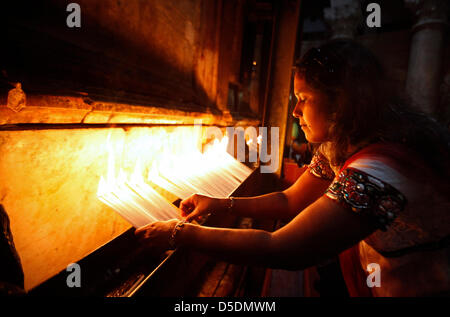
(77, 110)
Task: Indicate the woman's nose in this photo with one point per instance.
(297, 111)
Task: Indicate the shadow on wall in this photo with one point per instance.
(11, 273)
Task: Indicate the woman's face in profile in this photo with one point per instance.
(311, 111)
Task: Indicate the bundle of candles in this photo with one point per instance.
(213, 172)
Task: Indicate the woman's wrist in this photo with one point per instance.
(175, 232)
(187, 236)
(227, 204)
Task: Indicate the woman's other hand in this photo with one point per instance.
(156, 235)
(198, 206)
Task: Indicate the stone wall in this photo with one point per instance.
(48, 187)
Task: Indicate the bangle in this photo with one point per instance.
(230, 206)
(175, 231)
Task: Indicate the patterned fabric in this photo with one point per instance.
(364, 194)
(320, 167)
(415, 236)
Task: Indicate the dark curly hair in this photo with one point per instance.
(364, 111)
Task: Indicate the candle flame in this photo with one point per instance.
(176, 165)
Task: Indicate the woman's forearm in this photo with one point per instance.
(280, 205)
(243, 246)
(319, 232)
(269, 206)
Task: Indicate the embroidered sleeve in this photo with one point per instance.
(320, 167)
(364, 194)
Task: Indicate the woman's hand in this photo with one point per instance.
(197, 206)
(156, 235)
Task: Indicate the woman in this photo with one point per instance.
(376, 190)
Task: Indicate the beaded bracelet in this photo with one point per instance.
(175, 231)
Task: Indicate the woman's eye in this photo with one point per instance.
(301, 98)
